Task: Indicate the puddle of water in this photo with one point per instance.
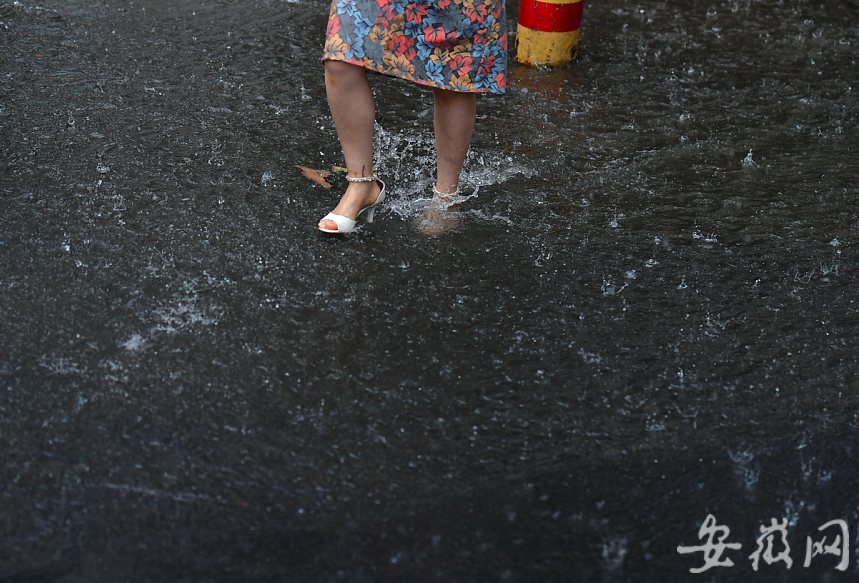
(645, 313)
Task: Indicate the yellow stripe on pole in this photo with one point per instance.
(545, 48)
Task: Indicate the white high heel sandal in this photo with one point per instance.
(438, 217)
(345, 224)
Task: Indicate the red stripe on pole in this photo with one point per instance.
(548, 17)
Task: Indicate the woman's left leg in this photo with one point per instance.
(454, 124)
(454, 118)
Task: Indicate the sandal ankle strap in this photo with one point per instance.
(437, 192)
(362, 178)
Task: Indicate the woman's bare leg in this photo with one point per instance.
(454, 118)
(454, 124)
(350, 99)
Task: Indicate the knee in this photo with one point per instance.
(454, 103)
(338, 71)
(446, 96)
(442, 97)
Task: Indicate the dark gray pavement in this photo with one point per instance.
(646, 315)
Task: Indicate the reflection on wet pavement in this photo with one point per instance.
(644, 314)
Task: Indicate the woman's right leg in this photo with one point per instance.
(350, 99)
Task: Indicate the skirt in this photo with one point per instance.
(460, 45)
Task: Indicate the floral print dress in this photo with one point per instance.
(459, 45)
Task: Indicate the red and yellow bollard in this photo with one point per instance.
(548, 31)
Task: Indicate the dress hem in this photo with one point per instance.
(381, 71)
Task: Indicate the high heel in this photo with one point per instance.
(345, 224)
(440, 216)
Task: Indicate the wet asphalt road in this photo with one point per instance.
(646, 315)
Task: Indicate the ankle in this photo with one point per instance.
(448, 191)
(362, 178)
(362, 189)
